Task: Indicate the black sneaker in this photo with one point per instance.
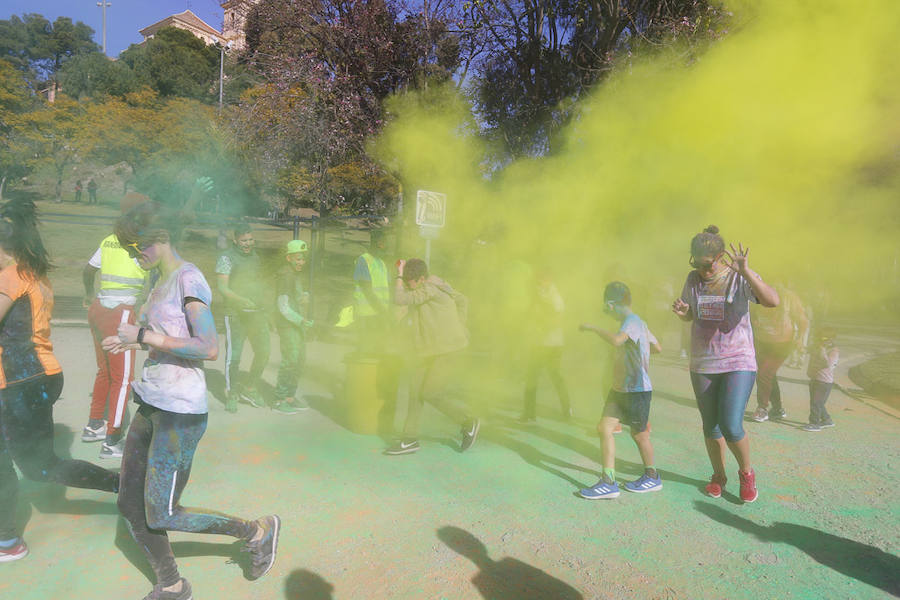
(262, 551)
(776, 414)
(469, 433)
(159, 594)
(407, 446)
(826, 423)
(252, 397)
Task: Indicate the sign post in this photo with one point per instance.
(431, 213)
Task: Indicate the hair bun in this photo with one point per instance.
(711, 229)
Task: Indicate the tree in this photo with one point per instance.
(175, 62)
(94, 75)
(53, 131)
(538, 54)
(16, 98)
(39, 48)
(330, 64)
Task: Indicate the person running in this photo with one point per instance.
(716, 299)
(293, 304)
(630, 396)
(122, 282)
(178, 329)
(31, 378)
(823, 358)
(546, 353)
(239, 276)
(776, 334)
(436, 316)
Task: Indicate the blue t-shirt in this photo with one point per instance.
(631, 371)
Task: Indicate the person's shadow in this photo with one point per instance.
(507, 578)
(854, 559)
(306, 585)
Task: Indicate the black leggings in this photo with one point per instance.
(156, 465)
(26, 424)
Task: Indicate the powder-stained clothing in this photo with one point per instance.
(245, 278)
(292, 300)
(721, 334)
(169, 382)
(822, 361)
(631, 370)
(25, 348)
(436, 316)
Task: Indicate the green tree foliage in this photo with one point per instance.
(39, 48)
(94, 76)
(537, 55)
(16, 98)
(175, 63)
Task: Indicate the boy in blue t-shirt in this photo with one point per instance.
(629, 398)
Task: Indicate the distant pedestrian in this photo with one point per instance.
(823, 358)
(78, 188)
(92, 191)
(630, 396)
(716, 300)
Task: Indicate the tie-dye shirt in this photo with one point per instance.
(631, 370)
(169, 382)
(721, 334)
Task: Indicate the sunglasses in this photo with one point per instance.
(704, 266)
(134, 249)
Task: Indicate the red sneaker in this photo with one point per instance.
(715, 485)
(15, 553)
(749, 493)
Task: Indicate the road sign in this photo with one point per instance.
(431, 208)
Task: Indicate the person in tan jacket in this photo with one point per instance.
(434, 315)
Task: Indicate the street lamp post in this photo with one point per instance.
(222, 48)
(103, 4)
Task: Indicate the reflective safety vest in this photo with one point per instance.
(119, 275)
(379, 278)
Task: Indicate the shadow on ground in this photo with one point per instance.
(851, 558)
(507, 578)
(306, 585)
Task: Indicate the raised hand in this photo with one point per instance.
(680, 307)
(737, 260)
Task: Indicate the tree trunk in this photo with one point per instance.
(2, 186)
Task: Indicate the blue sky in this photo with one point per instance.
(123, 17)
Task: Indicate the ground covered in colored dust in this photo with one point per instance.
(500, 521)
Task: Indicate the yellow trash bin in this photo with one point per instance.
(361, 400)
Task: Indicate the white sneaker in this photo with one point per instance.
(112, 450)
(89, 434)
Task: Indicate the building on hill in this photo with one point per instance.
(236, 12)
(188, 21)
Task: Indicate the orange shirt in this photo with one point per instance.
(25, 348)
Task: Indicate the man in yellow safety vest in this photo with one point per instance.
(372, 296)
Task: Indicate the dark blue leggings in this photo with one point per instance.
(26, 439)
(159, 451)
(722, 399)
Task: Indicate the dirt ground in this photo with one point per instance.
(500, 521)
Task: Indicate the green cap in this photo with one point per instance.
(295, 246)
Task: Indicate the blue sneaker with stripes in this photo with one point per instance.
(601, 489)
(644, 484)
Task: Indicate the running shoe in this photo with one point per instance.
(231, 402)
(403, 447)
(644, 484)
(749, 493)
(94, 434)
(158, 593)
(826, 423)
(715, 486)
(777, 414)
(601, 489)
(252, 397)
(112, 450)
(288, 406)
(262, 551)
(812, 427)
(469, 433)
(15, 552)
(761, 415)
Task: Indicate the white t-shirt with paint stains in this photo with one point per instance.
(169, 382)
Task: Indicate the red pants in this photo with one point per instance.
(114, 371)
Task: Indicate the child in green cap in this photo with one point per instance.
(293, 305)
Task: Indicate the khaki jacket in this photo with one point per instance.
(435, 315)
